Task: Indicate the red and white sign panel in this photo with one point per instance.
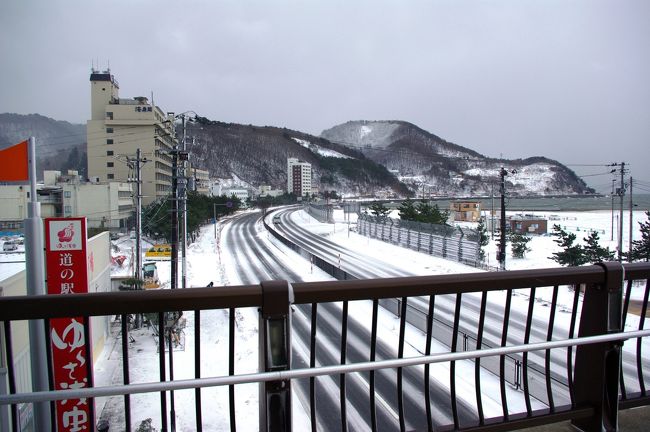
(67, 273)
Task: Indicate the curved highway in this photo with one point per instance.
(258, 260)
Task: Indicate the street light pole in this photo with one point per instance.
(214, 213)
(502, 240)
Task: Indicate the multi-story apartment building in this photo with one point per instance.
(298, 177)
(118, 127)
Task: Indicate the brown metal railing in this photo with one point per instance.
(592, 379)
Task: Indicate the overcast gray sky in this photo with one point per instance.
(566, 79)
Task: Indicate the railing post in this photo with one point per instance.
(275, 355)
(597, 366)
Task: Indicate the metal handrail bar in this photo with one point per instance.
(131, 302)
(637, 270)
(368, 289)
(310, 372)
(114, 303)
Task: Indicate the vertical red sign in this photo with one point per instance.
(67, 273)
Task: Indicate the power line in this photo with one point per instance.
(52, 140)
(588, 165)
(599, 174)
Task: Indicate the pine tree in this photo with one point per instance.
(379, 210)
(424, 212)
(407, 210)
(641, 248)
(519, 245)
(594, 252)
(442, 216)
(571, 255)
(427, 213)
(483, 238)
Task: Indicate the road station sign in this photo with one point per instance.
(67, 273)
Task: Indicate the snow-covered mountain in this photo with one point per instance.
(425, 160)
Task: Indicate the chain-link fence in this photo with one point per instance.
(453, 243)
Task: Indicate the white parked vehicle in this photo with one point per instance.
(9, 246)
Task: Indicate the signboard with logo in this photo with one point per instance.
(67, 273)
(160, 251)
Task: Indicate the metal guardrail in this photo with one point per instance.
(597, 386)
(452, 243)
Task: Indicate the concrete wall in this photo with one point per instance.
(99, 202)
(14, 202)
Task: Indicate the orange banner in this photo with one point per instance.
(13, 163)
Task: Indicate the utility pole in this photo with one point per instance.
(492, 212)
(136, 164)
(138, 218)
(502, 240)
(177, 155)
(174, 219)
(139, 162)
(183, 197)
(174, 273)
(620, 226)
(613, 192)
(629, 251)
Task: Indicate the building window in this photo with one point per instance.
(68, 210)
(109, 141)
(109, 152)
(109, 130)
(109, 115)
(67, 194)
(109, 164)
(110, 176)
